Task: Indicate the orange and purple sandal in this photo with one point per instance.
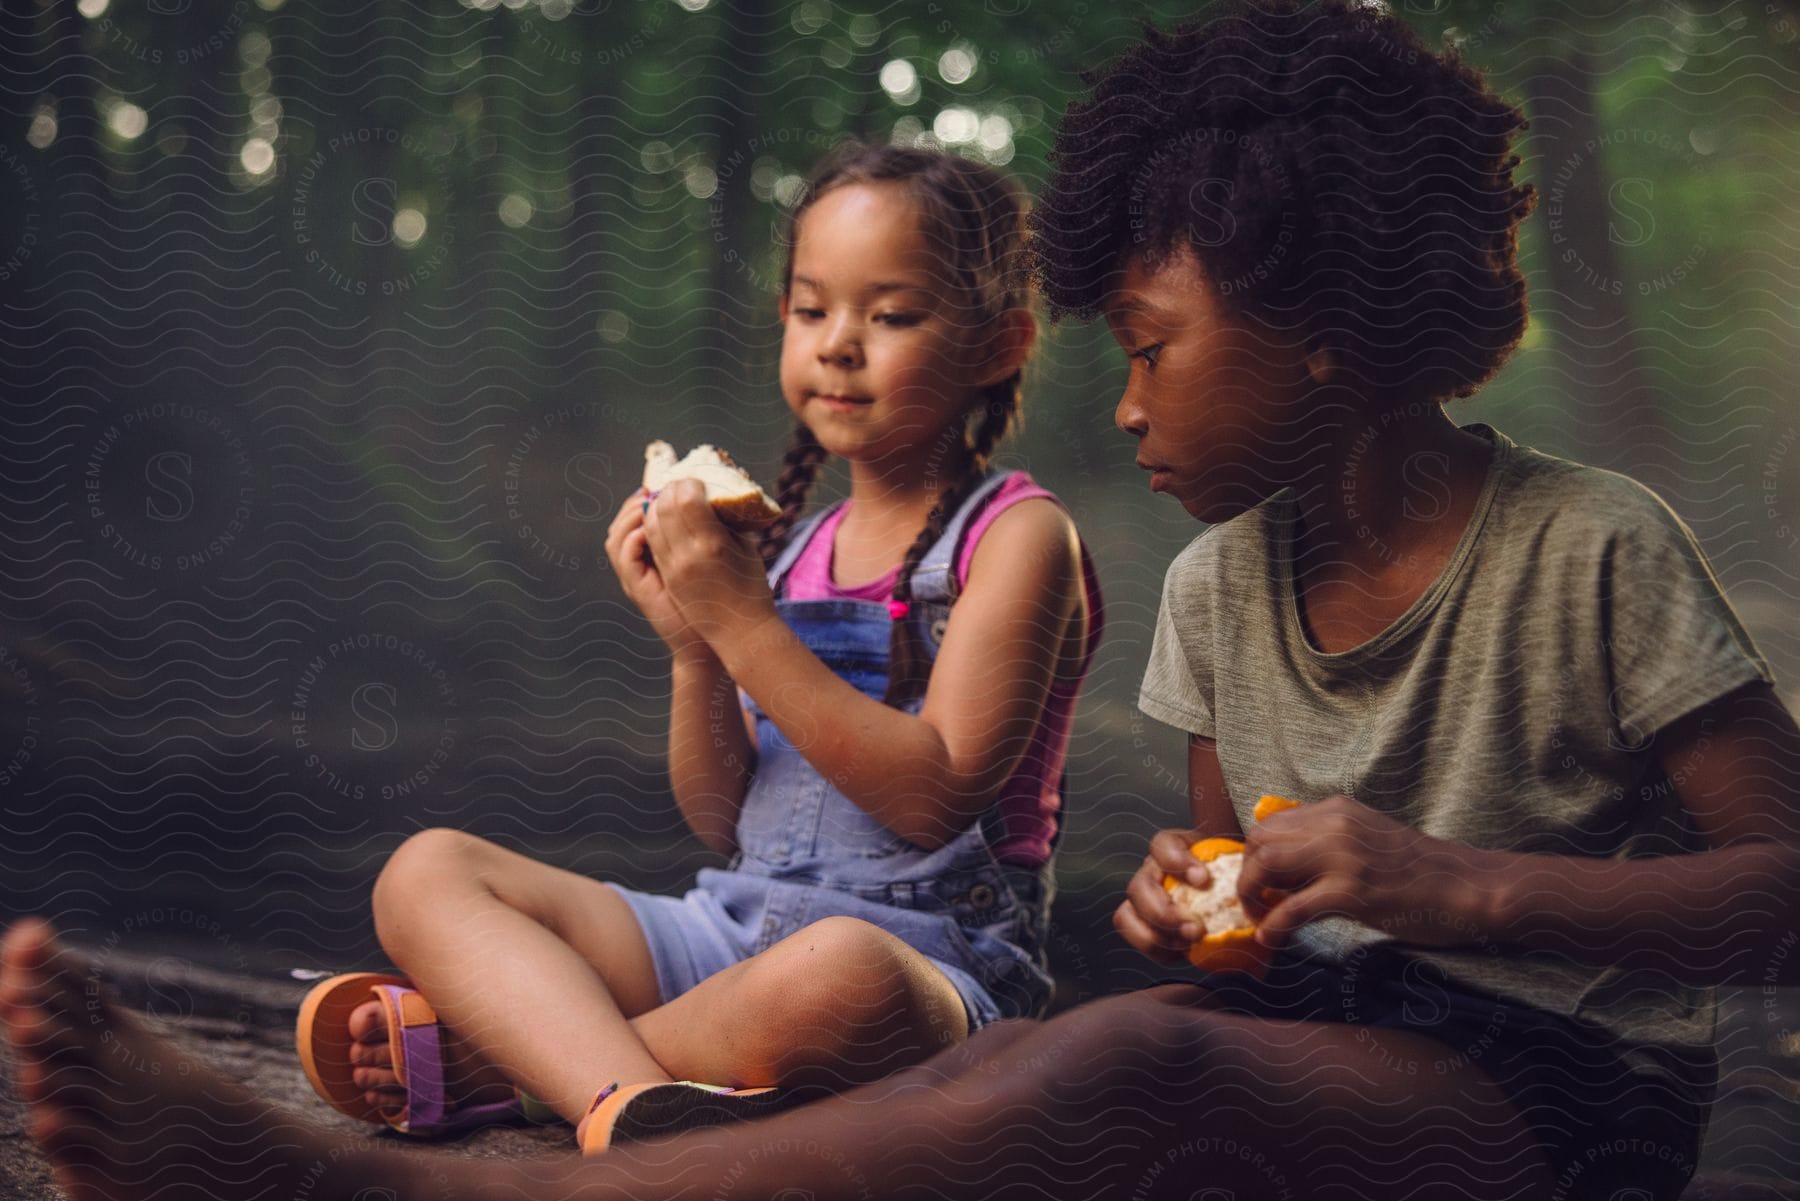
(645, 1111)
(322, 1037)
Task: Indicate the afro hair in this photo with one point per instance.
(1329, 173)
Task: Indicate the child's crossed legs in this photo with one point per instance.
(545, 975)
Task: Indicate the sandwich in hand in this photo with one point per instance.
(736, 498)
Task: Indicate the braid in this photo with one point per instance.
(799, 468)
(909, 668)
(1000, 417)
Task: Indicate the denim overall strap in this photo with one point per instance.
(798, 537)
(934, 578)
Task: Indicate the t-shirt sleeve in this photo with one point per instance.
(1672, 641)
(1178, 683)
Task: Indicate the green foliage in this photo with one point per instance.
(614, 170)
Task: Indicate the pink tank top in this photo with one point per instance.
(1031, 800)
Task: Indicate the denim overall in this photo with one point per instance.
(806, 851)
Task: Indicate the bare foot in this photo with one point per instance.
(469, 1079)
(123, 1114)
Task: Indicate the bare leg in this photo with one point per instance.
(491, 937)
(1108, 1101)
(837, 1004)
(1152, 1094)
(539, 970)
(123, 1114)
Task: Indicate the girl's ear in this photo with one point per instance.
(781, 307)
(1009, 345)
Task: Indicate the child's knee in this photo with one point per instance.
(842, 974)
(836, 963)
(408, 877)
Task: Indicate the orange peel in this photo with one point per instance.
(1271, 804)
(1236, 949)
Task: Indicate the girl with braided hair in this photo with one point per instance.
(907, 663)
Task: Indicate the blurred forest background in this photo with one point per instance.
(333, 333)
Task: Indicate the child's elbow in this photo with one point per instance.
(932, 827)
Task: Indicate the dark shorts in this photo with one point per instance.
(1612, 1133)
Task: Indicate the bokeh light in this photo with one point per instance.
(956, 125)
(787, 190)
(258, 156)
(409, 227)
(614, 326)
(254, 48)
(701, 181)
(956, 64)
(515, 210)
(127, 119)
(900, 81)
(43, 126)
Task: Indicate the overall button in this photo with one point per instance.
(982, 896)
(938, 627)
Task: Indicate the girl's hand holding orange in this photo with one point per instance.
(626, 547)
(1167, 927)
(1340, 858)
(714, 576)
(1147, 918)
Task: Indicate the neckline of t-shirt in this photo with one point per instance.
(1428, 600)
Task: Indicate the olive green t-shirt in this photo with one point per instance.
(1512, 707)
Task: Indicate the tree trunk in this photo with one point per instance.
(736, 297)
(1617, 410)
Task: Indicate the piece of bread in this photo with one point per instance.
(1228, 942)
(737, 499)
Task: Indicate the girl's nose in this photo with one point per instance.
(1129, 416)
(840, 346)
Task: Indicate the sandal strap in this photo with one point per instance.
(413, 1032)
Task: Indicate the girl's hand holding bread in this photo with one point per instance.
(713, 574)
(709, 497)
(626, 549)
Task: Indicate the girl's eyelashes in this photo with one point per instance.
(895, 319)
(1147, 353)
